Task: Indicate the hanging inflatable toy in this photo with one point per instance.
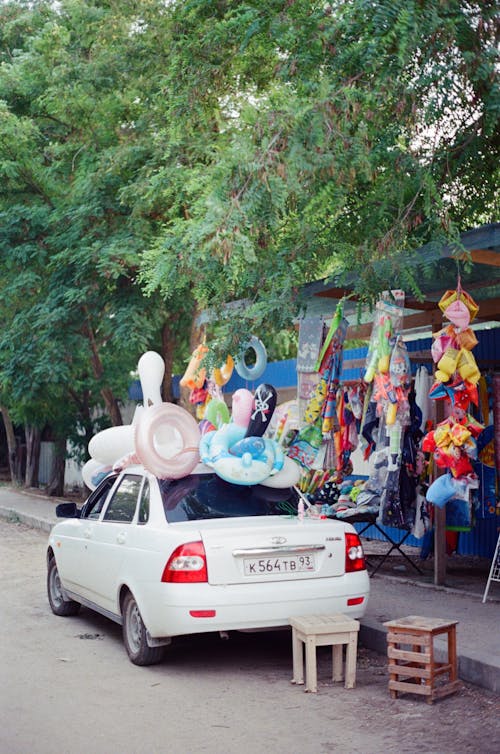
(195, 374)
(251, 373)
(222, 375)
(379, 349)
(217, 413)
(400, 378)
(264, 403)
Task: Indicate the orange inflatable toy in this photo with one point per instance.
(195, 375)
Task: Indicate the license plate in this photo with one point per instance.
(269, 566)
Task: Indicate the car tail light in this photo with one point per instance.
(354, 556)
(187, 564)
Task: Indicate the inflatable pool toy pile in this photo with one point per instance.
(169, 442)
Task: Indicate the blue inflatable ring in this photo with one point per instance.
(238, 459)
(257, 370)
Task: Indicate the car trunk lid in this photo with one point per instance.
(273, 548)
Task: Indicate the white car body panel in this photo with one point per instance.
(96, 559)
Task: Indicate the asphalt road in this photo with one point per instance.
(68, 687)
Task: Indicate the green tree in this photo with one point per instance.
(347, 135)
(159, 160)
(75, 318)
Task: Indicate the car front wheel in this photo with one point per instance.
(135, 636)
(58, 604)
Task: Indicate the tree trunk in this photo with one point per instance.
(112, 407)
(11, 442)
(33, 438)
(109, 399)
(55, 487)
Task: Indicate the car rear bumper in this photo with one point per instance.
(248, 606)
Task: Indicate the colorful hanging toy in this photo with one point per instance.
(453, 442)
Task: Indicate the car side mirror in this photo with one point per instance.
(67, 510)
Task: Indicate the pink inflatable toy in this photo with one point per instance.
(242, 407)
(182, 425)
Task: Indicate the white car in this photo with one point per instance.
(169, 558)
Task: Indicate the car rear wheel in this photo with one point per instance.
(135, 636)
(58, 604)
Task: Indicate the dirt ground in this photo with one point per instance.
(208, 695)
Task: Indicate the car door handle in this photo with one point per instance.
(87, 533)
(120, 538)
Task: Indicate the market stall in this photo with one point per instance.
(457, 283)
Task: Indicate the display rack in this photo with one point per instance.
(494, 570)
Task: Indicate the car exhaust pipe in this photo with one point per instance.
(224, 635)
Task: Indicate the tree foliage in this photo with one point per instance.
(159, 159)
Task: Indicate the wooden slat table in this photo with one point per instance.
(412, 665)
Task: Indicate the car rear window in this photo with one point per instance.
(208, 496)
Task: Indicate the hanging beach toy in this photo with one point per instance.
(462, 297)
(222, 375)
(255, 371)
(195, 374)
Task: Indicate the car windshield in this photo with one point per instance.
(208, 496)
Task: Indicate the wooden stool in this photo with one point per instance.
(324, 630)
(413, 669)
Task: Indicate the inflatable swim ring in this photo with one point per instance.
(255, 371)
(289, 475)
(181, 426)
(217, 413)
(239, 459)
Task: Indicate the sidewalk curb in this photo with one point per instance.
(35, 522)
(436, 587)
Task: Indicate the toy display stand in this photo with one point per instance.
(370, 519)
(494, 574)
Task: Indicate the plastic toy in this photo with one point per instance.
(195, 374)
(380, 350)
(264, 403)
(257, 369)
(239, 459)
(179, 436)
(447, 365)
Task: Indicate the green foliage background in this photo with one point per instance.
(160, 159)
